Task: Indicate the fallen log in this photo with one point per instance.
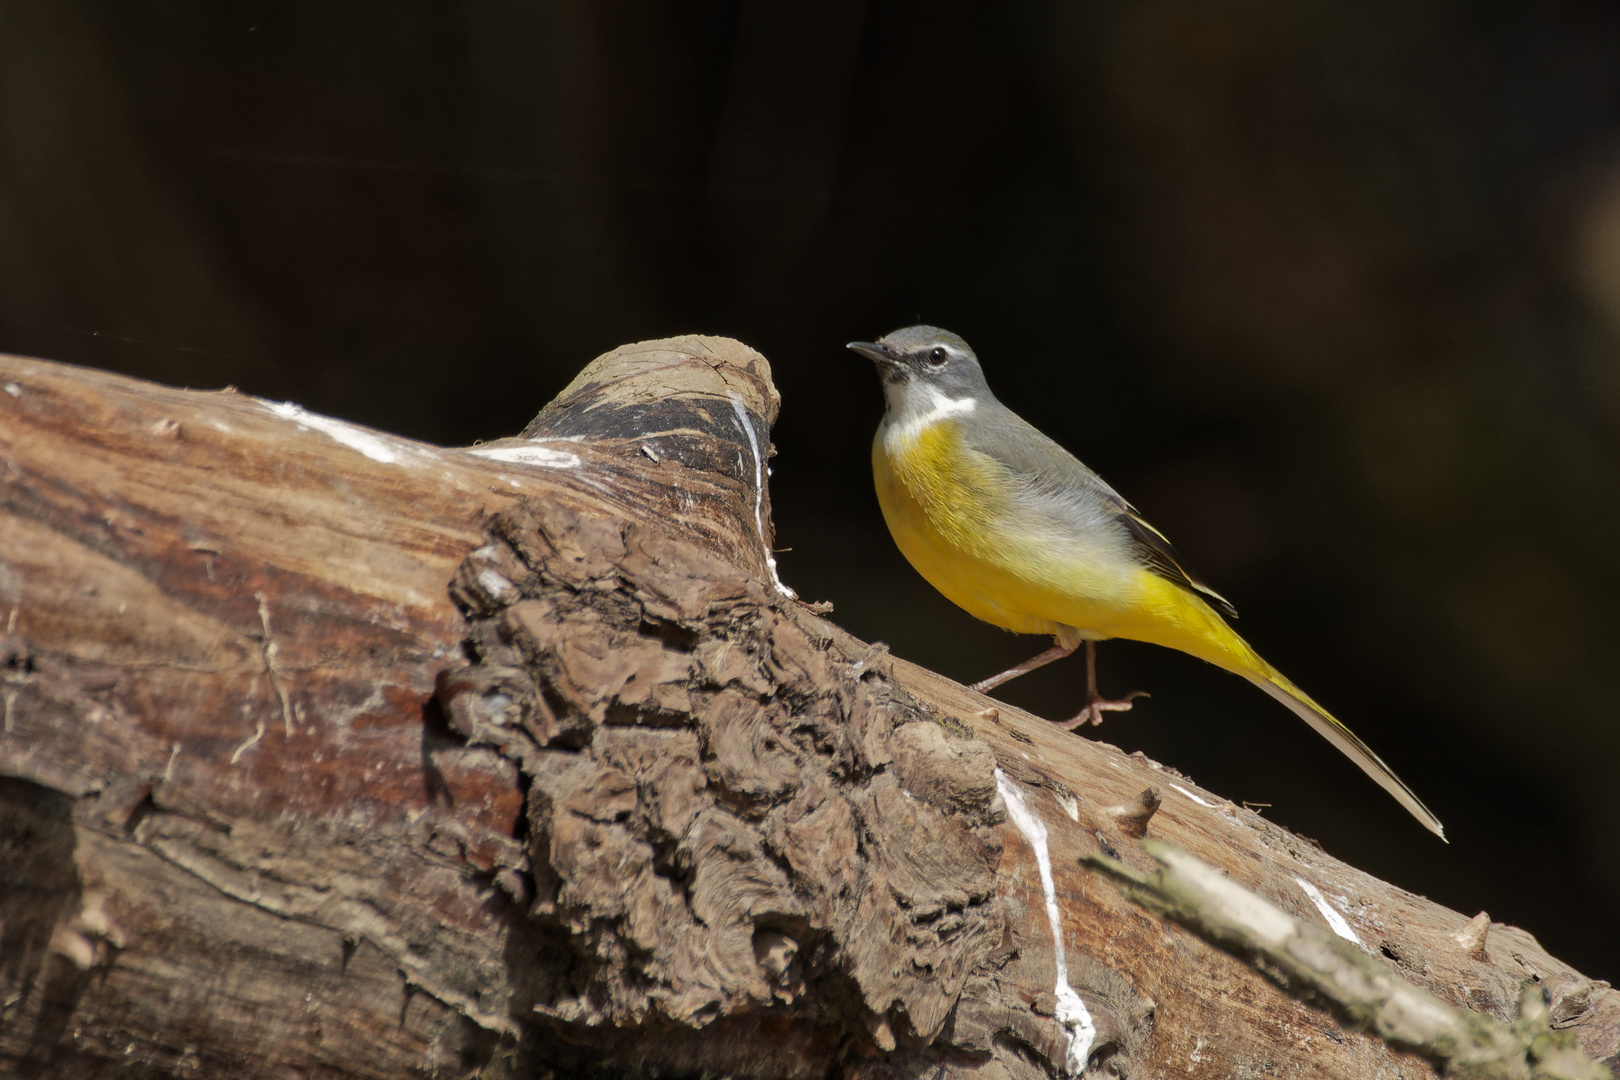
(329, 753)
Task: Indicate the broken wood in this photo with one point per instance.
(326, 752)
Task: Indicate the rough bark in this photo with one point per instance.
(326, 753)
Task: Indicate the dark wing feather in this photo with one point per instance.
(1166, 561)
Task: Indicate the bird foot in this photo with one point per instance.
(1096, 706)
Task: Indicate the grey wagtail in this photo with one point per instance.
(1012, 528)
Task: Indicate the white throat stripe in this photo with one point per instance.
(940, 408)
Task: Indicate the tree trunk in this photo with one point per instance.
(328, 753)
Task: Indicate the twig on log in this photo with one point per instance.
(1472, 937)
(1366, 992)
(1133, 817)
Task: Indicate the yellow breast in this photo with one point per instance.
(955, 516)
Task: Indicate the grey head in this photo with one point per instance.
(927, 359)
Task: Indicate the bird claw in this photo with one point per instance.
(1096, 706)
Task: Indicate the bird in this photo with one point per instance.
(1012, 528)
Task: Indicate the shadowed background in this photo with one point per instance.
(1331, 291)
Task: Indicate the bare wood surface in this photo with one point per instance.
(272, 804)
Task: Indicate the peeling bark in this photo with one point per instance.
(327, 753)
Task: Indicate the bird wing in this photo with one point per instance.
(1044, 466)
(1163, 559)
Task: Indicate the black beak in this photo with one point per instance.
(890, 369)
(872, 351)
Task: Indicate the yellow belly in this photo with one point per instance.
(950, 514)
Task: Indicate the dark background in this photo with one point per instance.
(1330, 290)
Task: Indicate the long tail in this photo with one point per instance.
(1272, 682)
(1184, 622)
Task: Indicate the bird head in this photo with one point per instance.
(927, 359)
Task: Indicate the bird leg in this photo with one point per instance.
(1056, 652)
(1096, 704)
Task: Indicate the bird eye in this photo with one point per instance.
(936, 355)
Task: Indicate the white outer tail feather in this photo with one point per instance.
(1358, 752)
